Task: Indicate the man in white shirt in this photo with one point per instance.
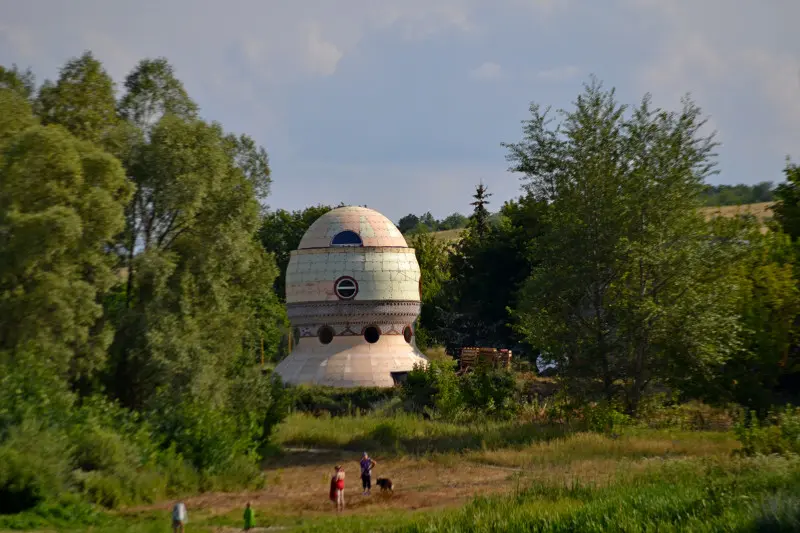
(178, 517)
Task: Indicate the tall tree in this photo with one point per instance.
(152, 91)
(486, 273)
(433, 256)
(631, 286)
(480, 215)
(82, 100)
(787, 208)
(769, 307)
(22, 83)
(61, 203)
(197, 276)
(407, 223)
(198, 288)
(280, 233)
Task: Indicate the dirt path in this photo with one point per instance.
(303, 489)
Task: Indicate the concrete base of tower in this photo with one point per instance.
(348, 362)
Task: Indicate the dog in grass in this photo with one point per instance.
(385, 484)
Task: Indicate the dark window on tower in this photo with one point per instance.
(345, 288)
(372, 334)
(408, 333)
(347, 238)
(325, 334)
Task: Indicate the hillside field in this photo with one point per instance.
(522, 475)
(762, 211)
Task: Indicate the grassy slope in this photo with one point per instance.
(761, 211)
(574, 482)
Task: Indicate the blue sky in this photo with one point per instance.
(402, 104)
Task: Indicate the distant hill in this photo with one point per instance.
(761, 211)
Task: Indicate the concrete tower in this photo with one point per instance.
(352, 295)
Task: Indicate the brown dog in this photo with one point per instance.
(385, 484)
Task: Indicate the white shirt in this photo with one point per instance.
(179, 512)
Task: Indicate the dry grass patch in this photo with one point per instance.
(590, 446)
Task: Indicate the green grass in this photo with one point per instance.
(404, 433)
(692, 495)
(639, 480)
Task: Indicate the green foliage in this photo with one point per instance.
(433, 389)
(787, 209)
(486, 274)
(778, 433)
(61, 204)
(337, 402)
(33, 467)
(631, 285)
(720, 195)
(433, 258)
(489, 390)
(82, 100)
(413, 224)
(20, 83)
(131, 221)
(280, 233)
(746, 496)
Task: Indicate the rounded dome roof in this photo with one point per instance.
(352, 226)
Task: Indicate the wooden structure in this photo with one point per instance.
(472, 357)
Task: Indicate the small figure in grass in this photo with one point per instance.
(337, 489)
(367, 464)
(249, 518)
(179, 517)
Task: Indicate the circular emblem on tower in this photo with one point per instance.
(352, 295)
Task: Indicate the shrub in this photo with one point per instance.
(779, 433)
(493, 391)
(434, 389)
(34, 467)
(338, 402)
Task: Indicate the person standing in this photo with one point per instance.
(249, 518)
(179, 517)
(337, 489)
(367, 464)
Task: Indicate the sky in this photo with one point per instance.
(402, 105)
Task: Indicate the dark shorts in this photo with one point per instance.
(366, 481)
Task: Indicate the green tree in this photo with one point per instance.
(407, 223)
(61, 204)
(280, 233)
(787, 208)
(632, 287)
(479, 220)
(82, 100)
(768, 310)
(454, 221)
(486, 275)
(152, 91)
(433, 258)
(198, 288)
(22, 83)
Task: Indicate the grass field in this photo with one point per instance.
(762, 211)
(488, 477)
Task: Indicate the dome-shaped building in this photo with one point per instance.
(352, 296)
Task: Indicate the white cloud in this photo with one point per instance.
(563, 73)
(322, 56)
(486, 71)
(714, 51)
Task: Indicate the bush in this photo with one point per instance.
(491, 390)
(779, 433)
(34, 467)
(338, 402)
(434, 390)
